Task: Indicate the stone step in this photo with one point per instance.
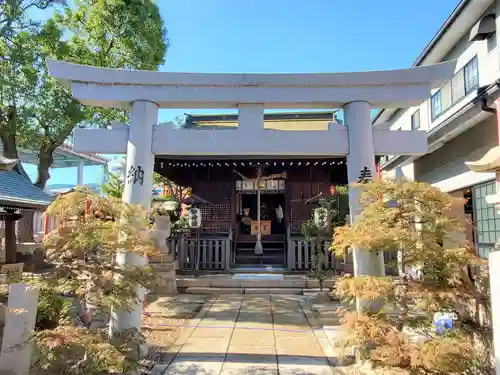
(245, 261)
(260, 268)
(226, 281)
(266, 251)
(217, 291)
(260, 257)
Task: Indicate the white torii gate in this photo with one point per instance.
(144, 92)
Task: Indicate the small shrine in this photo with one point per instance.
(489, 163)
(17, 195)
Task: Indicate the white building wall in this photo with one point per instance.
(486, 52)
(445, 167)
(463, 51)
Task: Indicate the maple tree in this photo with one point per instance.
(426, 226)
(92, 232)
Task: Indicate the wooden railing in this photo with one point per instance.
(214, 252)
(301, 254)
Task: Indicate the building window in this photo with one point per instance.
(458, 86)
(415, 120)
(463, 82)
(471, 75)
(446, 100)
(436, 105)
(486, 219)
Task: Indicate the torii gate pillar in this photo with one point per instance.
(138, 188)
(361, 164)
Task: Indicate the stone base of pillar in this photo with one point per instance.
(166, 280)
(369, 263)
(348, 265)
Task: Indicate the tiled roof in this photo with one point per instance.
(64, 157)
(16, 187)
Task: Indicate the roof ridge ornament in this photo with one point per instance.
(7, 164)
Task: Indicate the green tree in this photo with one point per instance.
(19, 66)
(109, 33)
(115, 186)
(19, 71)
(427, 227)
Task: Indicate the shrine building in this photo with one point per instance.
(228, 192)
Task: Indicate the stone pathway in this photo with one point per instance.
(251, 335)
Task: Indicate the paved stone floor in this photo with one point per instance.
(245, 334)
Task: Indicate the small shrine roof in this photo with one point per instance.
(490, 162)
(17, 190)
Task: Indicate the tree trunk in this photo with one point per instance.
(45, 160)
(8, 138)
(9, 145)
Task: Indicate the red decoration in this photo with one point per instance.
(87, 207)
(46, 224)
(333, 189)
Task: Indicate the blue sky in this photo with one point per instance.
(284, 36)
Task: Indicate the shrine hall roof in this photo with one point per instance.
(17, 190)
(286, 119)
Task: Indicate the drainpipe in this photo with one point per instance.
(482, 97)
(485, 107)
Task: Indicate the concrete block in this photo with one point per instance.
(225, 283)
(260, 283)
(293, 284)
(285, 291)
(216, 291)
(256, 290)
(188, 283)
(312, 284)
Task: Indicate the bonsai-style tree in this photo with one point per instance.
(426, 226)
(83, 248)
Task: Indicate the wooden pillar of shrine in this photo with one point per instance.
(9, 217)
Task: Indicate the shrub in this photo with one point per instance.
(425, 225)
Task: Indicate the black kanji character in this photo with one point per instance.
(365, 176)
(135, 175)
